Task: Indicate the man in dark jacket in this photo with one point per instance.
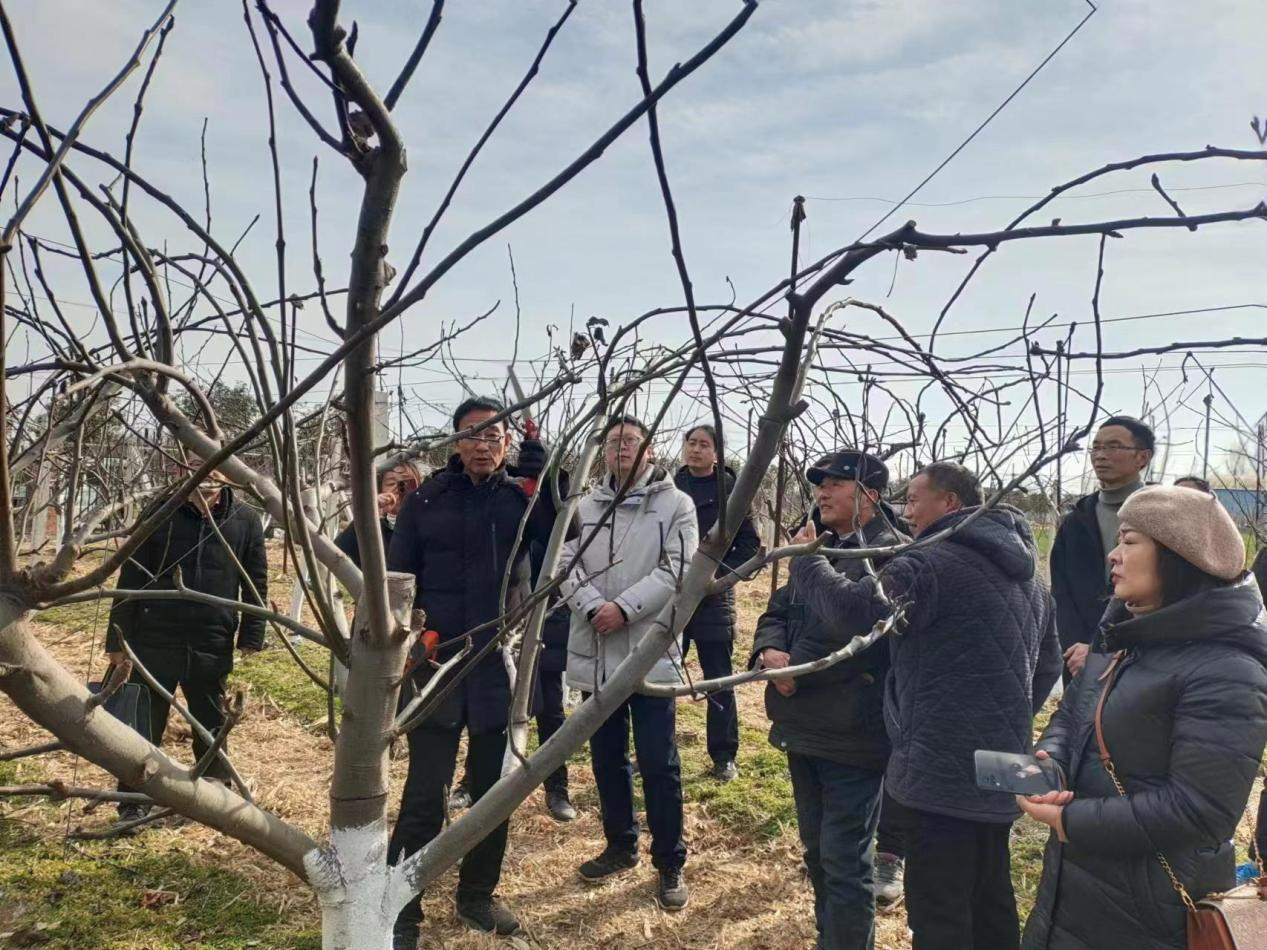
(978, 645)
(1120, 453)
(712, 626)
(183, 642)
(831, 723)
(455, 534)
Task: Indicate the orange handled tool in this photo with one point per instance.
(430, 641)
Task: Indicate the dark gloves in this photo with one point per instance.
(532, 459)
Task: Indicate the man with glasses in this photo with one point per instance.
(457, 535)
(1120, 453)
(644, 533)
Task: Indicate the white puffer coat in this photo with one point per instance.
(635, 560)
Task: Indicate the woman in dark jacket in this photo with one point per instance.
(1182, 690)
(712, 626)
(394, 486)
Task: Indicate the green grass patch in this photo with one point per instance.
(275, 674)
(759, 802)
(125, 898)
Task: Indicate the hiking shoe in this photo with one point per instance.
(610, 862)
(488, 915)
(560, 806)
(405, 936)
(671, 892)
(726, 771)
(459, 799)
(888, 881)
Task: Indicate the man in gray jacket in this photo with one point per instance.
(619, 584)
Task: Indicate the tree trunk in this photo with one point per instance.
(359, 893)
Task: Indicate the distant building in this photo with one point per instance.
(1246, 506)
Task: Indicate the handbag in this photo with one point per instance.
(130, 704)
(1231, 920)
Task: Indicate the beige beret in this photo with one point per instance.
(1191, 523)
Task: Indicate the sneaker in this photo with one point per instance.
(888, 881)
(671, 892)
(560, 807)
(487, 915)
(405, 936)
(459, 799)
(726, 771)
(608, 863)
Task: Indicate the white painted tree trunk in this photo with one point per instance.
(357, 890)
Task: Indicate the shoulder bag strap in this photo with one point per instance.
(1110, 676)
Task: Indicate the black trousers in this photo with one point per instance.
(201, 677)
(891, 837)
(655, 744)
(723, 716)
(548, 722)
(837, 810)
(959, 884)
(433, 755)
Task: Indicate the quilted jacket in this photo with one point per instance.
(977, 653)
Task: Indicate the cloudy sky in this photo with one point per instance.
(847, 102)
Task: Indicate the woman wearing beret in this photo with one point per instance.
(1182, 700)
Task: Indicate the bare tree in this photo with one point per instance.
(130, 376)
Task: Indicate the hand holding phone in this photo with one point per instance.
(1017, 774)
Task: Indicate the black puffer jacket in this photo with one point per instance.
(1185, 722)
(190, 542)
(836, 713)
(455, 536)
(1079, 581)
(714, 618)
(978, 645)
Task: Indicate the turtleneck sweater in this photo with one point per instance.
(1106, 509)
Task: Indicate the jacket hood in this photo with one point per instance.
(1232, 615)
(657, 481)
(1001, 534)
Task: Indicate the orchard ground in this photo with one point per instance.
(181, 885)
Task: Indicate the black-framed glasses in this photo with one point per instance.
(1111, 448)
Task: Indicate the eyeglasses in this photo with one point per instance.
(624, 441)
(488, 438)
(1110, 447)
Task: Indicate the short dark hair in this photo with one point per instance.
(953, 477)
(1196, 482)
(616, 421)
(1141, 433)
(1180, 578)
(486, 403)
(704, 427)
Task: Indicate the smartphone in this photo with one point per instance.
(1017, 774)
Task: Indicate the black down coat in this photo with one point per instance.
(189, 542)
(836, 713)
(1185, 722)
(455, 536)
(1079, 580)
(977, 646)
(714, 618)
(346, 541)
